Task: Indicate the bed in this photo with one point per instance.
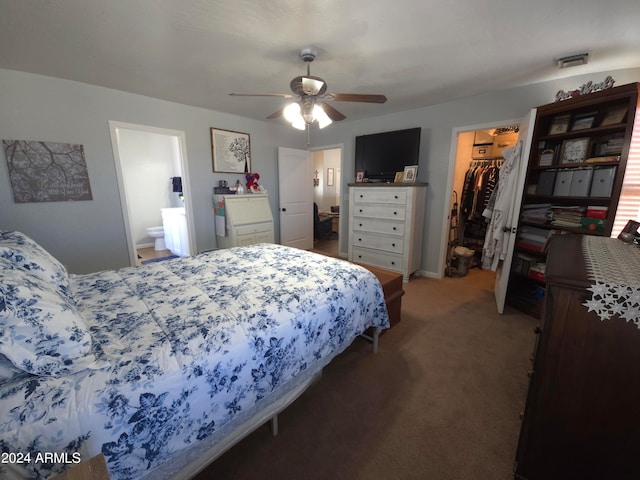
(163, 367)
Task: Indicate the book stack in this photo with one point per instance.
(537, 271)
(567, 216)
(532, 238)
(539, 213)
(522, 263)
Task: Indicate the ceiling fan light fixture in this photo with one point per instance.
(292, 112)
(321, 116)
(299, 124)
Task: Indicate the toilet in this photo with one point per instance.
(157, 233)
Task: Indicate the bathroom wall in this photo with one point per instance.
(149, 161)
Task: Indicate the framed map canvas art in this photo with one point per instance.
(47, 171)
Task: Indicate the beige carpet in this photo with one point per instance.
(441, 399)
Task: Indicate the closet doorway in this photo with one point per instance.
(474, 174)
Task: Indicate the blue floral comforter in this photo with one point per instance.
(186, 345)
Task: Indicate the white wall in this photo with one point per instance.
(437, 124)
(89, 235)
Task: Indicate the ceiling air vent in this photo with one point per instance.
(573, 60)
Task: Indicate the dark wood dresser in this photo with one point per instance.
(582, 413)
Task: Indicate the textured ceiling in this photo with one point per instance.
(416, 52)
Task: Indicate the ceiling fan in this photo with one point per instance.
(313, 97)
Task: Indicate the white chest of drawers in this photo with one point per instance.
(248, 220)
(385, 226)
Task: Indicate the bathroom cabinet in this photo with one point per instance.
(243, 220)
(176, 239)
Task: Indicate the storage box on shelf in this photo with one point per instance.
(574, 175)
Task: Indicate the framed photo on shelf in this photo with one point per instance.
(399, 177)
(230, 151)
(583, 121)
(410, 173)
(546, 158)
(359, 176)
(560, 124)
(614, 116)
(574, 150)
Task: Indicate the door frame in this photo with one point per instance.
(344, 204)
(444, 237)
(114, 126)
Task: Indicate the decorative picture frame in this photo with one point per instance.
(399, 177)
(614, 116)
(410, 173)
(630, 232)
(230, 151)
(359, 176)
(330, 177)
(560, 124)
(546, 158)
(43, 171)
(584, 121)
(574, 150)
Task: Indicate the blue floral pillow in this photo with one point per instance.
(24, 253)
(40, 330)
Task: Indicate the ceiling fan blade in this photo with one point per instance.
(358, 97)
(331, 112)
(275, 115)
(283, 95)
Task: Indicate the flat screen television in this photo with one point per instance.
(381, 155)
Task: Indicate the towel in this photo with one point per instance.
(177, 184)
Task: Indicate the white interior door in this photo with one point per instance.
(295, 180)
(502, 273)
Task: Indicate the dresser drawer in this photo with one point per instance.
(362, 224)
(380, 195)
(388, 261)
(379, 211)
(378, 242)
(255, 228)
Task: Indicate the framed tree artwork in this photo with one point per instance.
(230, 151)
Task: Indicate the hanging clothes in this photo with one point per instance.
(502, 213)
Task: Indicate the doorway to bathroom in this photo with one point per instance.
(151, 167)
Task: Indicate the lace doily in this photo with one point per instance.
(614, 267)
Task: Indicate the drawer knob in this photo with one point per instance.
(361, 196)
(394, 229)
(359, 239)
(359, 256)
(395, 196)
(393, 263)
(393, 244)
(395, 213)
(360, 210)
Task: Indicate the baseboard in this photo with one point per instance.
(427, 274)
(145, 245)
